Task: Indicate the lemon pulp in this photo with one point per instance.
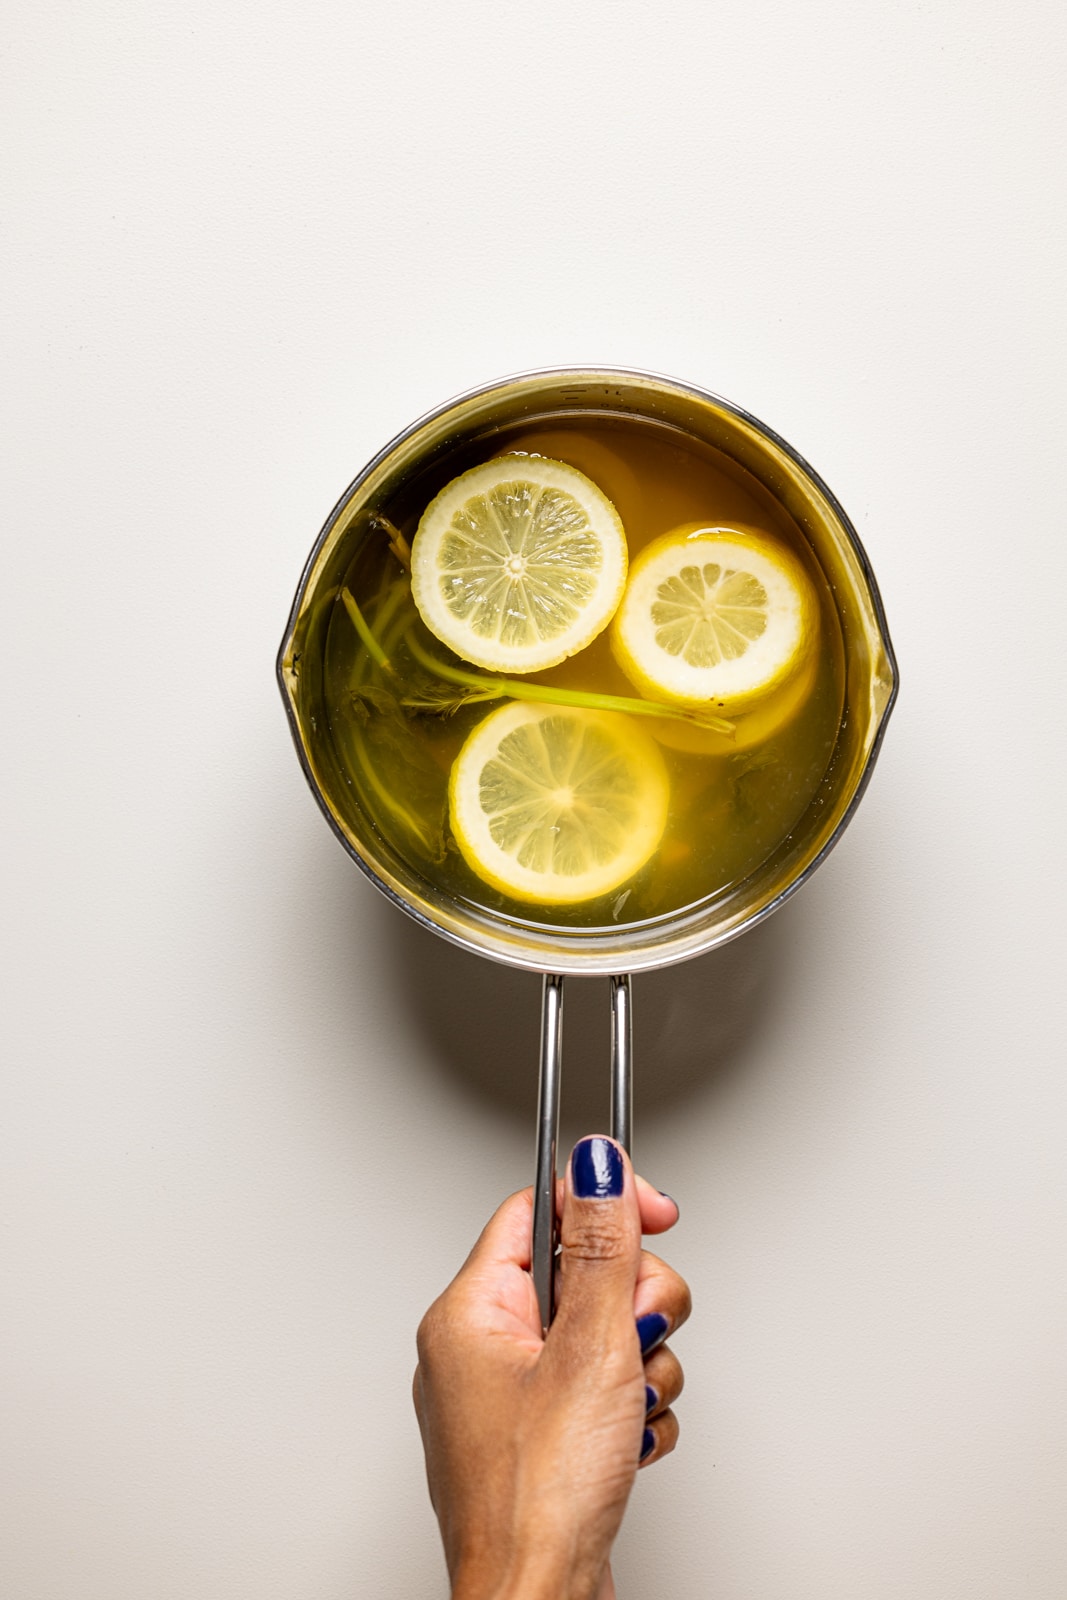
(518, 563)
(719, 615)
(557, 805)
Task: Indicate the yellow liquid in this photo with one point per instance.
(733, 802)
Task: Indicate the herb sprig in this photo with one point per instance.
(479, 686)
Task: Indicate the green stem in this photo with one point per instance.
(374, 649)
(391, 803)
(517, 689)
(387, 634)
(385, 615)
(397, 543)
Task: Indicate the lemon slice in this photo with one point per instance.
(719, 615)
(767, 717)
(609, 469)
(557, 804)
(518, 563)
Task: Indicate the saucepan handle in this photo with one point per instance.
(543, 1252)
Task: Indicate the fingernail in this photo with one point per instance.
(672, 1200)
(648, 1444)
(651, 1330)
(650, 1398)
(596, 1170)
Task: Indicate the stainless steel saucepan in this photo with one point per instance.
(479, 418)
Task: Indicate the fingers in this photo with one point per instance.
(662, 1301)
(506, 1236)
(664, 1381)
(600, 1243)
(658, 1211)
(493, 1288)
(505, 1239)
(660, 1438)
(598, 1224)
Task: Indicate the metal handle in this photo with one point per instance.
(622, 1062)
(544, 1217)
(543, 1250)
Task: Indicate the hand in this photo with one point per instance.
(532, 1444)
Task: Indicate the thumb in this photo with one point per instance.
(600, 1237)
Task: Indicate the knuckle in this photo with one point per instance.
(685, 1302)
(424, 1337)
(665, 1431)
(432, 1330)
(601, 1239)
(665, 1290)
(664, 1372)
(594, 1248)
(676, 1297)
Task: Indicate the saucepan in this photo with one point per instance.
(477, 420)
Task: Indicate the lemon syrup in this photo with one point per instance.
(733, 798)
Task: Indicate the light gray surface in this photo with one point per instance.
(251, 1119)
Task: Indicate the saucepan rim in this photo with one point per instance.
(636, 956)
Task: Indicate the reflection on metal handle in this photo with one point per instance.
(544, 1217)
(543, 1251)
(622, 1058)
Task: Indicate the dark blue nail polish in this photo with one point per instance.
(648, 1444)
(596, 1170)
(651, 1330)
(672, 1200)
(651, 1397)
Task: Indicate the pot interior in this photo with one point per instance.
(472, 426)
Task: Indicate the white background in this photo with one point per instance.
(252, 1119)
